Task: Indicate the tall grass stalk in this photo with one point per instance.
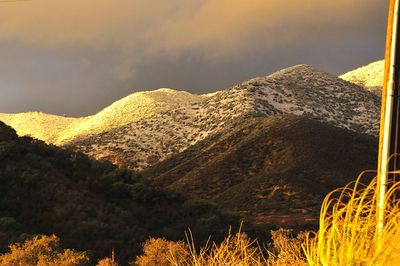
(347, 232)
(236, 250)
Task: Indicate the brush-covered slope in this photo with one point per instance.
(273, 169)
(369, 76)
(91, 206)
(60, 130)
(299, 90)
(132, 108)
(39, 125)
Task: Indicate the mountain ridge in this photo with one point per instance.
(147, 127)
(59, 130)
(299, 90)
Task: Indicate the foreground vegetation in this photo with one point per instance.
(348, 233)
(347, 236)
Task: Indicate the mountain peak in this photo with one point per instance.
(369, 76)
(298, 71)
(166, 90)
(134, 107)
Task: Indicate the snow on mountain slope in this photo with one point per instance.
(300, 90)
(369, 76)
(60, 130)
(129, 109)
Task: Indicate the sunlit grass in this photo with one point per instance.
(236, 250)
(348, 228)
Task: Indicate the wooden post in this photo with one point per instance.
(390, 113)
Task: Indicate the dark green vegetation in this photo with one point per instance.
(92, 206)
(275, 170)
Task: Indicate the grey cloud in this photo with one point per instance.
(74, 57)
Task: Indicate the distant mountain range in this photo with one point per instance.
(299, 90)
(156, 124)
(145, 128)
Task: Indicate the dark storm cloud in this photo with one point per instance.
(74, 57)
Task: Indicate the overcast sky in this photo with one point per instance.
(75, 57)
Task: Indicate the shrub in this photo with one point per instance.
(236, 249)
(161, 252)
(285, 249)
(42, 251)
(108, 261)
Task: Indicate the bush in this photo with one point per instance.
(42, 251)
(161, 252)
(236, 249)
(108, 261)
(285, 249)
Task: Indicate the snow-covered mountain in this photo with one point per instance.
(299, 90)
(369, 76)
(61, 130)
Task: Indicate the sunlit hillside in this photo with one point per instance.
(59, 130)
(129, 109)
(39, 125)
(369, 76)
(300, 90)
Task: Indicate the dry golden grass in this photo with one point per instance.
(347, 236)
(42, 251)
(236, 249)
(108, 261)
(348, 228)
(286, 249)
(161, 252)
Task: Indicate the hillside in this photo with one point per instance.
(132, 108)
(60, 130)
(91, 206)
(39, 125)
(275, 169)
(299, 90)
(369, 76)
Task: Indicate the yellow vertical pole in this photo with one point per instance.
(386, 112)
